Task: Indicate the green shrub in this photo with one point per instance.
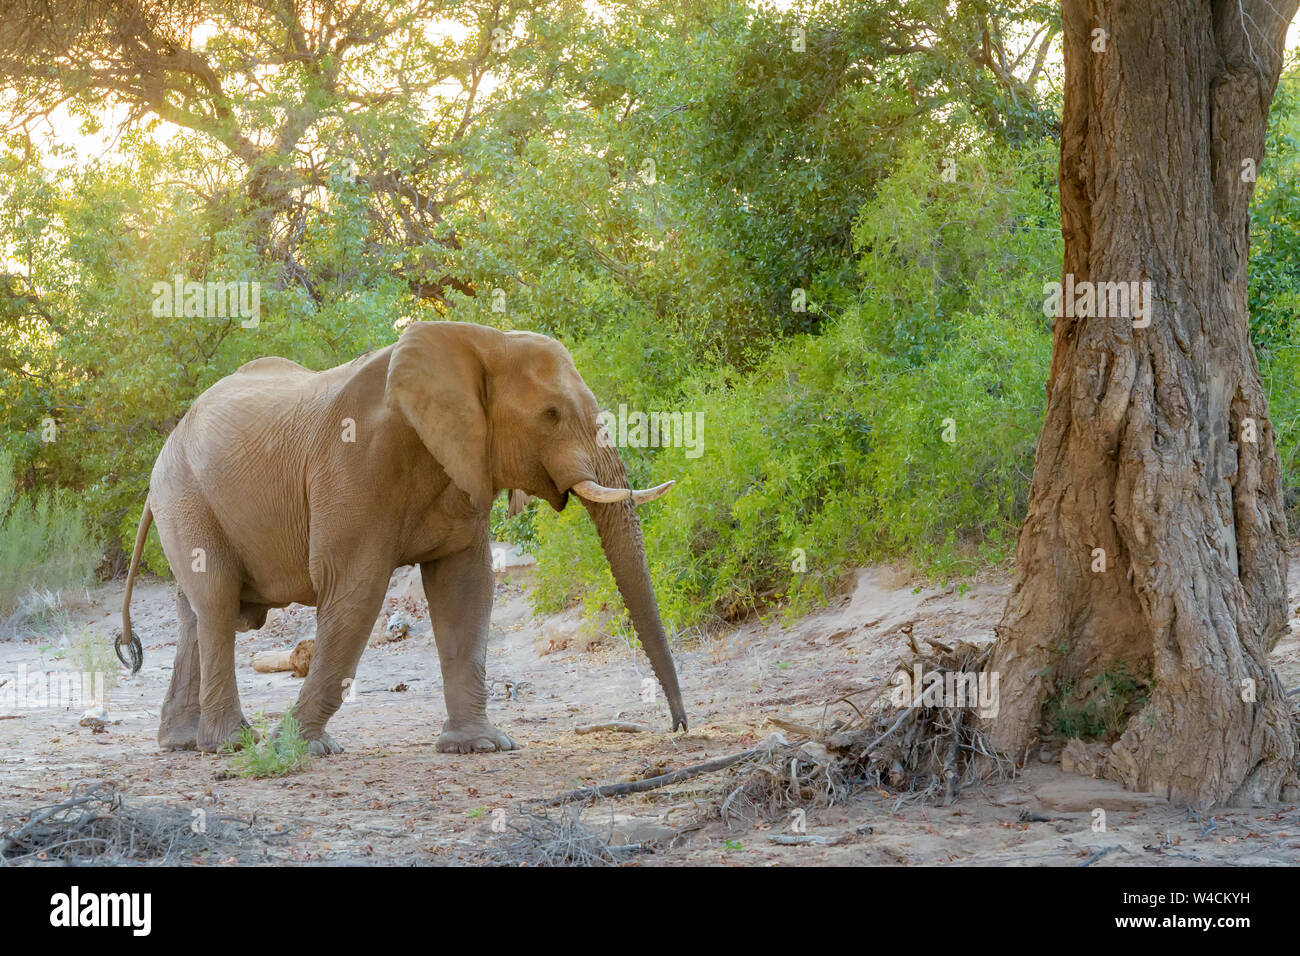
(1281, 377)
(1275, 224)
(47, 540)
(261, 752)
(832, 451)
(1101, 709)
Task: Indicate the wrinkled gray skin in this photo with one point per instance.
(258, 475)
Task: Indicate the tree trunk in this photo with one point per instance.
(1157, 448)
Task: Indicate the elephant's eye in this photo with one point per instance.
(552, 414)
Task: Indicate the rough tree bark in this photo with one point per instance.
(1157, 446)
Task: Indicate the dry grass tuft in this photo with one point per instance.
(541, 837)
(94, 825)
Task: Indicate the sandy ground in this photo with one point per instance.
(392, 798)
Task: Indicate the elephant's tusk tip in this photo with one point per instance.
(650, 494)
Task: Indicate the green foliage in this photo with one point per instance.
(114, 377)
(1281, 377)
(834, 444)
(1275, 224)
(699, 169)
(1275, 280)
(648, 182)
(47, 541)
(1101, 710)
(260, 752)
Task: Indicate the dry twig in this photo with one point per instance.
(616, 726)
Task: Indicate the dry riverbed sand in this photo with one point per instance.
(392, 798)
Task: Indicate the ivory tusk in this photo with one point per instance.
(594, 492)
(650, 494)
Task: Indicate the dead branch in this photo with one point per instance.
(615, 726)
(651, 783)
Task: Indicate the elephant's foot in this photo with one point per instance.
(323, 744)
(221, 732)
(179, 732)
(319, 743)
(474, 738)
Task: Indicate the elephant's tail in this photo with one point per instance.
(127, 638)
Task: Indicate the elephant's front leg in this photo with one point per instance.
(459, 591)
(344, 618)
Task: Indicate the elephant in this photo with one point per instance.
(282, 485)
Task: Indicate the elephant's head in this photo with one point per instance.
(508, 410)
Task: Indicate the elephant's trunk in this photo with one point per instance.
(620, 536)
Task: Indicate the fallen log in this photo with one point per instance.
(297, 660)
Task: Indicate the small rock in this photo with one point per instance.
(1083, 758)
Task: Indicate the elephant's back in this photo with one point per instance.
(236, 464)
(275, 374)
(260, 386)
(271, 411)
(260, 413)
(273, 365)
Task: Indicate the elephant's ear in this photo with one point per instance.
(437, 380)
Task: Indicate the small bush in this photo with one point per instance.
(1101, 710)
(91, 653)
(47, 541)
(1281, 378)
(259, 753)
(39, 613)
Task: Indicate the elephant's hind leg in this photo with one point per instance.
(179, 728)
(222, 720)
(214, 595)
(209, 575)
(344, 619)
